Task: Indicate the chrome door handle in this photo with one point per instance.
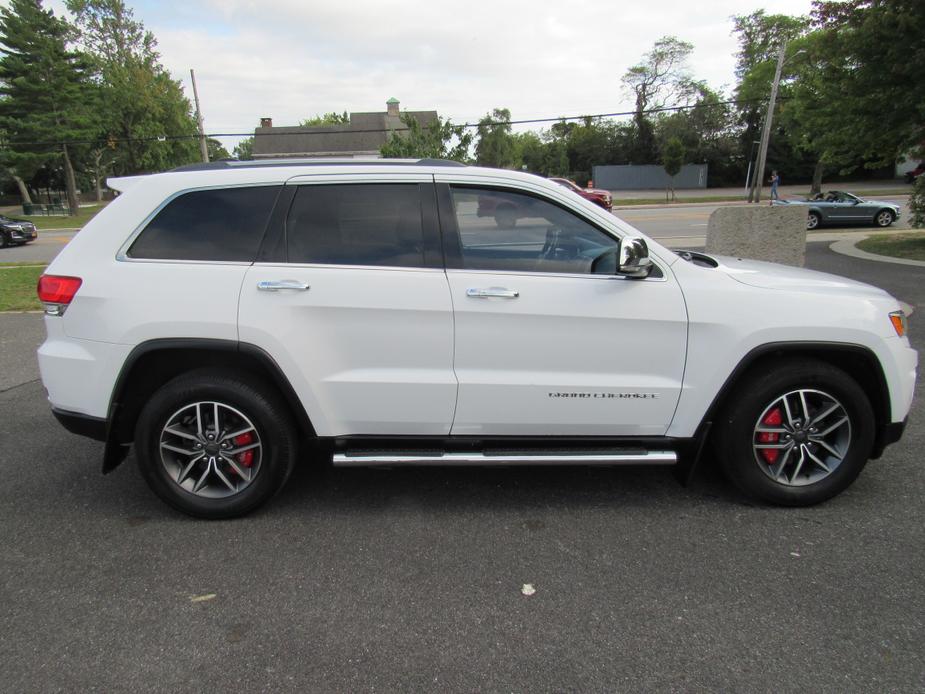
(276, 285)
(499, 292)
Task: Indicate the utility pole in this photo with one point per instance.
(754, 194)
(203, 145)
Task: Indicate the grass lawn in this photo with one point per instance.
(84, 215)
(17, 287)
(911, 246)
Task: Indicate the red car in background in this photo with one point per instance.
(915, 173)
(595, 195)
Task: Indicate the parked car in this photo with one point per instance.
(230, 319)
(839, 208)
(595, 195)
(915, 173)
(14, 232)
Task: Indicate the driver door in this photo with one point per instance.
(544, 346)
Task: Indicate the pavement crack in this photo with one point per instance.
(19, 385)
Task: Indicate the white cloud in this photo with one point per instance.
(290, 59)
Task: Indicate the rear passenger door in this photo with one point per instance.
(349, 296)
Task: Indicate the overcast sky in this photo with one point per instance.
(290, 59)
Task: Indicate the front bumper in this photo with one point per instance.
(81, 424)
(25, 236)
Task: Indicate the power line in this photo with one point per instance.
(109, 141)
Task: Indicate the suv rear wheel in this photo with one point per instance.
(796, 434)
(215, 444)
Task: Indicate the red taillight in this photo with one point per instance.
(56, 289)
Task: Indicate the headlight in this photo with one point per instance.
(900, 322)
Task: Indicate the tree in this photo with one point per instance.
(439, 139)
(217, 150)
(495, 146)
(707, 133)
(146, 117)
(540, 154)
(760, 36)
(871, 95)
(660, 80)
(327, 119)
(244, 150)
(46, 92)
(672, 161)
(917, 203)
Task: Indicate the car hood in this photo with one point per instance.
(757, 273)
(597, 191)
(882, 202)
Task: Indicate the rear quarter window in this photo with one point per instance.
(221, 224)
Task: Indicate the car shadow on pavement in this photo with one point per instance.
(504, 487)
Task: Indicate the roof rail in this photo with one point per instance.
(319, 161)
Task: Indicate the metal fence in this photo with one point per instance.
(648, 176)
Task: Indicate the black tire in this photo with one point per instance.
(884, 218)
(736, 431)
(260, 404)
(813, 220)
(4, 242)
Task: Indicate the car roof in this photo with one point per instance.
(316, 161)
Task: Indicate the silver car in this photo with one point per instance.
(839, 208)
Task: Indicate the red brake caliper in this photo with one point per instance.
(771, 419)
(245, 458)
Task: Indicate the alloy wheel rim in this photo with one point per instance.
(801, 437)
(211, 449)
(884, 219)
(812, 222)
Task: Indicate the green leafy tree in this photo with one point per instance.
(707, 133)
(870, 95)
(244, 150)
(439, 139)
(760, 35)
(46, 93)
(327, 119)
(672, 158)
(917, 203)
(495, 146)
(541, 154)
(147, 120)
(660, 79)
(216, 150)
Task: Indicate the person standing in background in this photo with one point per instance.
(775, 181)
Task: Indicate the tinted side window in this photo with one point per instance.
(357, 224)
(221, 224)
(503, 230)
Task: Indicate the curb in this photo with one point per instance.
(847, 247)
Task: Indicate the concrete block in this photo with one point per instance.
(760, 232)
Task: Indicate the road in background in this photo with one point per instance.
(680, 219)
(41, 251)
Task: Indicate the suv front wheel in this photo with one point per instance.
(215, 444)
(796, 434)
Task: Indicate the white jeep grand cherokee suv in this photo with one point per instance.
(226, 317)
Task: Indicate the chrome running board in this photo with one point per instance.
(539, 457)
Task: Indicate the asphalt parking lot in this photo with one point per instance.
(409, 580)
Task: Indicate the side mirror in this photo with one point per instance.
(634, 258)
